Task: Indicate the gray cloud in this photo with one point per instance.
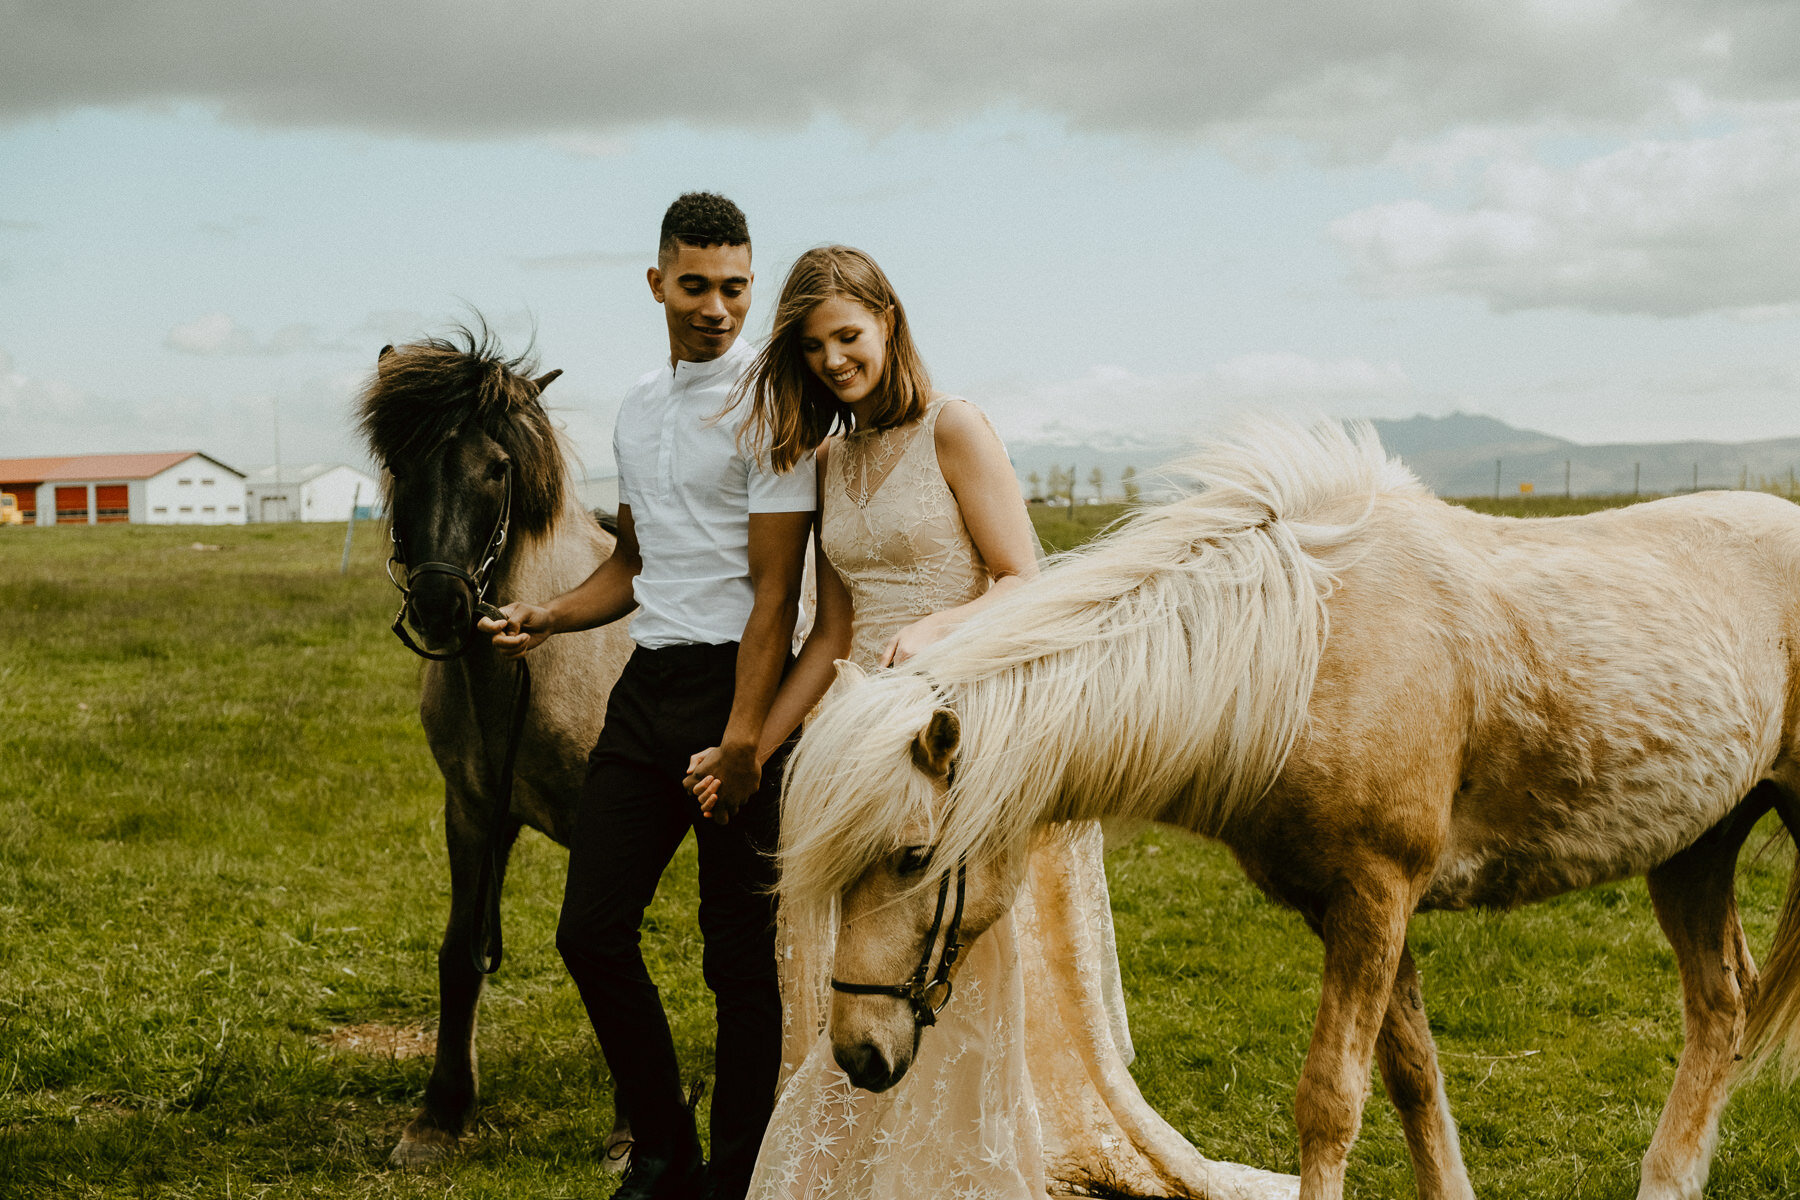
(1354, 74)
(12, 226)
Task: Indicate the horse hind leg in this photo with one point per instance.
(1696, 905)
(1409, 1067)
(452, 1091)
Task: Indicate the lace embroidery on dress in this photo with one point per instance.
(1021, 1088)
(905, 553)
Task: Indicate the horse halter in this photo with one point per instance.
(927, 991)
(476, 581)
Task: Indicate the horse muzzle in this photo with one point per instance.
(868, 1068)
(441, 608)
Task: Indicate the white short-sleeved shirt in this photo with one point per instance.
(691, 493)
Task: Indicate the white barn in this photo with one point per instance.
(177, 487)
(315, 492)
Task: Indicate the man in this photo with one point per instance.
(710, 552)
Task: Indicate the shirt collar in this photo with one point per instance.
(701, 372)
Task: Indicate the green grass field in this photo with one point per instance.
(222, 883)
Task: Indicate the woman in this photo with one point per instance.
(921, 527)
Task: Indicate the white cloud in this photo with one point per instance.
(218, 335)
(1169, 410)
(1662, 227)
(43, 416)
(1353, 74)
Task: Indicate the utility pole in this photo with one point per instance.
(1637, 471)
(1567, 494)
(1696, 486)
(1496, 479)
(280, 491)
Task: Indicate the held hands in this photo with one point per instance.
(912, 639)
(525, 628)
(721, 779)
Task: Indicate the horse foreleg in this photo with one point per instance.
(1364, 930)
(452, 1091)
(1697, 907)
(1409, 1068)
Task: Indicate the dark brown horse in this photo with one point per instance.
(477, 485)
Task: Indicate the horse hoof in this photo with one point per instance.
(421, 1148)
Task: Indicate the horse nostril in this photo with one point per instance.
(865, 1066)
(440, 607)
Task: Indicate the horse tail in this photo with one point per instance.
(1772, 1022)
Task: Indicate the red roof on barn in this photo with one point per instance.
(97, 466)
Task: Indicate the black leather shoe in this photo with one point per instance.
(651, 1176)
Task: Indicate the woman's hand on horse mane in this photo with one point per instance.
(914, 638)
(525, 627)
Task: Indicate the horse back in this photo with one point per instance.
(1515, 708)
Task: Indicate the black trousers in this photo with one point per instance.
(634, 813)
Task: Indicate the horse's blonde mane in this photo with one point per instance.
(1161, 671)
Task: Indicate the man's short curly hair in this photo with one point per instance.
(701, 219)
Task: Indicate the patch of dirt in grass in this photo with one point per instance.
(380, 1041)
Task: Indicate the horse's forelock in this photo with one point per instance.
(424, 393)
(853, 792)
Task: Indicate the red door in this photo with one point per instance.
(112, 503)
(71, 505)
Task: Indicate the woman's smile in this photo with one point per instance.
(845, 345)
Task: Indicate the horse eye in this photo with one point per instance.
(913, 860)
(498, 470)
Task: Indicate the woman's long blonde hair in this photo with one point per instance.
(791, 409)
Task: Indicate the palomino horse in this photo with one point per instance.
(1380, 703)
(475, 472)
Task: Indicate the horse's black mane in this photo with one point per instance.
(426, 392)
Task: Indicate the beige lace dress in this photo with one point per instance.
(1021, 1088)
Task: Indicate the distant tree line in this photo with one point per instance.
(1060, 485)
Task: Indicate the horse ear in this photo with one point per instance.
(849, 674)
(385, 351)
(937, 742)
(544, 381)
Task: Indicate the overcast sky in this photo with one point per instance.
(1127, 219)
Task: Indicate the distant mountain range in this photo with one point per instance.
(1457, 456)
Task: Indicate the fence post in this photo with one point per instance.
(350, 529)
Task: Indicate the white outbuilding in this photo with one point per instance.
(315, 492)
(177, 487)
